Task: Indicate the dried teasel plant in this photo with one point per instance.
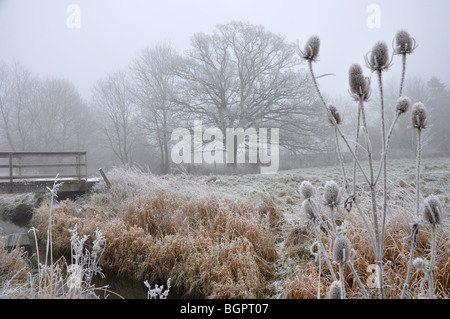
(378, 60)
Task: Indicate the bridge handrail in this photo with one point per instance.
(80, 163)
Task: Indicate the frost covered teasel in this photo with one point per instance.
(334, 114)
(404, 43)
(332, 193)
(432, 210)
(311, 50)
(403, 104)
(378, 59)
(419, 116)
(359, 84)
(307, 189)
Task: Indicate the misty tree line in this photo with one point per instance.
(240, 76)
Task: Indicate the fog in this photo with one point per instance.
(86, 41)
(36, 34)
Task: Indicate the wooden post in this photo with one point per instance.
(11, 168)
(85, 166)
(79, 166)
(108, 184)
(11, 172)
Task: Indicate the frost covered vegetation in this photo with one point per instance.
(371, 227)
(239, 236)
(211, 244)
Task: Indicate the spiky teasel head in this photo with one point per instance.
(334, 114)
(311, 50)
(359, 84)
(404, 43)
(419, 116)
(379, 57)
(307, 190)
(403, 104)
(332, 193)
(335, 290)
(420, 263)
(309, 209)
(342, 249)
(432, 209)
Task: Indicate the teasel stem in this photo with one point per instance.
(388, 139)
(383, 163)
(372, 189)
(433, 258)
(414, 231)
(333, 219)
(402, 82)
(316, 86)
(358, 280)
(419, 159)
(341, 160)
(323, 250)
(341, 279)
(415, 227)
(356, 146)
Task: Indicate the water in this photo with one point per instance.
(126, 288)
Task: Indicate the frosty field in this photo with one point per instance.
(240, 236)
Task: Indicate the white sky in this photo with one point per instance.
(112, 32)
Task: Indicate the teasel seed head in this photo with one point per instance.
(404, 43)
(432, 210)
(403, 104)
(379, 57)
(307, 189)
(312, 47)
(341, 249)
(332, 193)
(359, 84)
(309, 209)
(335, 290)
(335, 114)
(420, 263)
(419, 116)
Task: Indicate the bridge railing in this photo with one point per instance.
(16, 166)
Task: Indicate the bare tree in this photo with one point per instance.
(17, 90)
(154, 79)
(244, 76)
(116, 114)
(59, 117)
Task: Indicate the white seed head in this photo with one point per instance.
(307, 189)
(420, 263)
(419, 116)
(335, 290)
(432, 209)
(309, 209)
(404, 44)
(332, 193)
(341, 249)
(359, 84)
(403, 104)
(312, 47)
(379, 58)
(334, 114)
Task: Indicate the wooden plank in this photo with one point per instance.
(15, 154)
(39, 177)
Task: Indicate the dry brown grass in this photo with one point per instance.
(12, 263)
(303, 281)
(211, 244)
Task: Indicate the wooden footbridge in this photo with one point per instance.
(33, 172)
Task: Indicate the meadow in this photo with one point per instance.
(238, 236)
